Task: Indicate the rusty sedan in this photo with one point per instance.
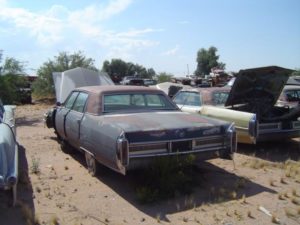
(127, 127)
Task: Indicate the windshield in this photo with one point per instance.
(293, 95)
(136, 102)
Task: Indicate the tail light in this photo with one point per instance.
(253, 126)
(123, 150)
(232, 137)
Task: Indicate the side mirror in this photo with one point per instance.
(58, 104)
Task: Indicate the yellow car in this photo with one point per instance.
(249, 103)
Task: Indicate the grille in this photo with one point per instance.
(212, 142)
(149, 148)
(296, 124)
(271, 126)
(181, 146)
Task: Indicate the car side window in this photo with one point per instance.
(80, 102)
(154, 100)
(70, 101)
(188, 98)
(219, 98)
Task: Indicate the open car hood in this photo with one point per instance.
(262, 84)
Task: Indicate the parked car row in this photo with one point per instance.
(8, 151)
(125, 127)
(137, 81)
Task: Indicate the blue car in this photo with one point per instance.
(8, 151)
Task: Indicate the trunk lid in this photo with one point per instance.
(162, 126)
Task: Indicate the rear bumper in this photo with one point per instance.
(142, 162)
(278, 135)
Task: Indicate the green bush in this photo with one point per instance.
(10, 86)
(166, 178)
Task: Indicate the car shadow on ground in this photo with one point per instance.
(275, 151)
(25, 121)
(214, 185)
(24, 210)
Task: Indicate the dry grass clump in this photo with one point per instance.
(28, 214)
(275, 220)
(292, 169)
(233, 195)
(283, 181)
(295, 201)
(35, 165)
(272, 182)
(257, 164)
(294, 192)
(54, 220)
(244, 199)
(249, 214)
(241, 183)
(290, 212)
(158, 218)
(281, 196)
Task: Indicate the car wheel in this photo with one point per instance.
(65, 147)
(92, 164)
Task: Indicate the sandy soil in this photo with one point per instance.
(265, 176)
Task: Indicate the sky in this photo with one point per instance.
(164, 35)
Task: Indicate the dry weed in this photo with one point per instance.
(295, 201)
(283, 181)
(249, 214)
(275, 220)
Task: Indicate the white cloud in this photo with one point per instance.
(98, 13)
(135, 33)
(172, 51)
(45, 29)
(115, 7)
(60, 26)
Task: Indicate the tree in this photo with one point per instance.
(12, 80)
(164, 77)
(207, 59)
(117, 69)
(296, 73)
(43, 86)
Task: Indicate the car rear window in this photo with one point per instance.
(135, 102)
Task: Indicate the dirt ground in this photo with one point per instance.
(55, 188)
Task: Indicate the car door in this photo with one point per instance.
(73, 120)
(62, 112)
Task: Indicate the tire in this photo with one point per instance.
(92, 164)
(65, 147)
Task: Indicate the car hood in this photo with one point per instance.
(263, 84)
